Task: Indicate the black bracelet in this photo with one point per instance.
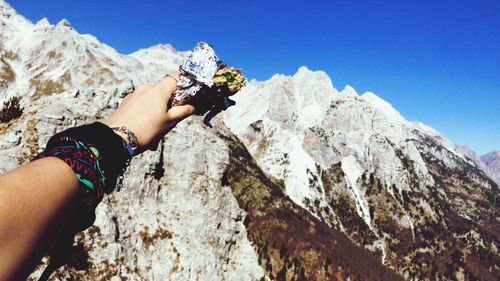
(96, 154)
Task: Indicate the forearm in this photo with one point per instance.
(36, 201)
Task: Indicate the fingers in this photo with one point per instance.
(174, 74)
(173, 116)
(167, 85)
(177, 113)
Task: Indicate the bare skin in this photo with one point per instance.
(37, 199)
(145, 112)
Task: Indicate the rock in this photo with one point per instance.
(9, 140)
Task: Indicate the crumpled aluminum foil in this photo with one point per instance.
(197, 69)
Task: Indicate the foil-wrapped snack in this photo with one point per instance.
(197, 70)
(205, 83)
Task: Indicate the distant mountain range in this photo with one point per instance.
(489, 162)
(492, 160)
(298, 181)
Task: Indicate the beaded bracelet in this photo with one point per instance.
(132, 143)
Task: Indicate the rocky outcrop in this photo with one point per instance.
(170, 218)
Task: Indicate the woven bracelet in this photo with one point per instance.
(95, 153)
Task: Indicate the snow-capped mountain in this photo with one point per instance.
(299, 181)
(355, 163)
(53, 58)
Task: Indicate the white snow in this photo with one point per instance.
(383, 106)
(349, 91)
(297, 183)
(353, 171)
(252, 104)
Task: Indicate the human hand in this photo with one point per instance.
(145, 113)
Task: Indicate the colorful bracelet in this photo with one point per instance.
(132, 143)
(95, 153)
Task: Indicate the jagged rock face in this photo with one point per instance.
(50, 59)
(324, 185)
(393, 186)
(170, 204)
(171, 218)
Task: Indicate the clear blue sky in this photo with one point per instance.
(435, 61)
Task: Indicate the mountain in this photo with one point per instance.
(396, 187)
(489, 162)
(492, 161)
(299, 181)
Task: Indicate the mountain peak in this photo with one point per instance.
(348, 90)
(304, 69)
(489, 162)
(492, 161)
(7, 13)
(64, 22)
(11, 24)
(160, 58)
(42, 22)
(305, 73)
(318, 83)
(495, 153)
(491, 158)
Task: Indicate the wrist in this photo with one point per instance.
(128, 137)
(123, 136)
(96, 155)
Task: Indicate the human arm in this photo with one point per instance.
(38, 199)
(36, 202)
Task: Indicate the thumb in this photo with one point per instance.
(173, 116)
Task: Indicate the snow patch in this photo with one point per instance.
(353, 171)
(42, 23)
(297, 182)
